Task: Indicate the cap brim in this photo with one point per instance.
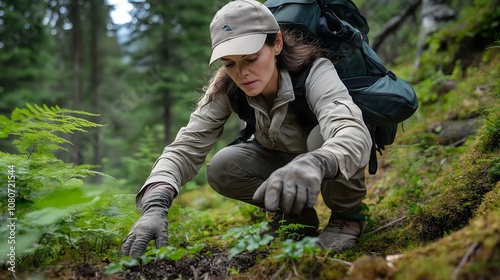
(239, 46)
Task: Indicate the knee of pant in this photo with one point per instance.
(216, 178)
(219, 172)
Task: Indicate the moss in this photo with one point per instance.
(454, 207)
(490, 133)
(477, 246)
(321, 268)
(370, 267)
(491, 202)
(494, 171)
(308, 267)
(392, 241)
(425, 268)
(464, 192)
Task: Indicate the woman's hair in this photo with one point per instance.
(297, 54)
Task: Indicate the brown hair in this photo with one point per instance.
(297, 55)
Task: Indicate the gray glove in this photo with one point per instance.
(296, 185)
(152, 225)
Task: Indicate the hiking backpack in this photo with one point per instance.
(384, 99)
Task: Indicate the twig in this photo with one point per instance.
(295, 271)
(335, 260)
(195, 273)
(340, 261)
(388, 225)
(471, 249)
(277, 273)
(458, 143)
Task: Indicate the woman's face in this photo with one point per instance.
(255, 73)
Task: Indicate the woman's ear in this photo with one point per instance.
(278, 44)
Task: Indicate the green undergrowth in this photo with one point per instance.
(434, 204)
(476, 29)
(53, 215)
(461, 215)
(188, 224)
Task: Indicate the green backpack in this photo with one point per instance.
(384, 99)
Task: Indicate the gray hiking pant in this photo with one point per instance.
(237, 171)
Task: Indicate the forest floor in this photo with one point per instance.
(209, 264)
(433, 211)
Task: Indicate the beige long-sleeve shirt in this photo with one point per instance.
(340, 120)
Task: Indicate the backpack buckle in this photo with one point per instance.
(392, 75)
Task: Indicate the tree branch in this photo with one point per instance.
(394, 23)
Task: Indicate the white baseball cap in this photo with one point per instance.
(241, 28)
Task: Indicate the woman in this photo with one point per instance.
(284, 168)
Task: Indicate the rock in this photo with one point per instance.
(455, 132)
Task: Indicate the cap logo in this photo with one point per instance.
(226, 27)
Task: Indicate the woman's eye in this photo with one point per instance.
(229, 65)
(252, 59)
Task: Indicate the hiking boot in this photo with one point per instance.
(307, 221)
(341, 233)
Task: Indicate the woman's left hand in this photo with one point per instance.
(296, 185)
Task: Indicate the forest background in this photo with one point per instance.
(97, 101)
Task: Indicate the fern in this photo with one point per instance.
(37, 127)
(496, 45)
(47, 189)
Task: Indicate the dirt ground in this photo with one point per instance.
(211, 263)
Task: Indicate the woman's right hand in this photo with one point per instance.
(152, 225)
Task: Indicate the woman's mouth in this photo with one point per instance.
(248, 84)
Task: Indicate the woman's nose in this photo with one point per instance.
(242, 71)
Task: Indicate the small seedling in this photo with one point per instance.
(293, 250)
(247, 239)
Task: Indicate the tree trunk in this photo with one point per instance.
(76, 45)
(167, 118)
(94, 78)
(434, 13)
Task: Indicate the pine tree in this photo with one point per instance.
(171, 42)
(27, 71)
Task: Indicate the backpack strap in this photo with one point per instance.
(372, 163)
(307, 119)
(245, 112)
